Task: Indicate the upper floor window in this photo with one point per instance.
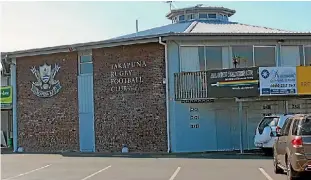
(291, 56)
(307, 52)
(202, 58)
(244, 55)
(213, 16)
(265, 55)
(202, 16)
(85, 64)
(213, 57)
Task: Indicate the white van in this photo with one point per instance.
(265, 134)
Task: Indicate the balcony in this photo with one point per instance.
(190, 85)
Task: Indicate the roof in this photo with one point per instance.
(207, 28)
(232, 27)
(171, 28)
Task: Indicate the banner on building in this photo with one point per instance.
(303, 80)
(277, 81)
(228, 83)
(6, 95)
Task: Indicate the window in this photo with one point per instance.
(245, 53)
(213, 57)
(268, 121)
(85, 64)
(305, 127)
(189, 59)
(308, 55)
(221, 16)
(181, 17)
(295, 128)
(213, 16)
(202, 58)
(264, 56)
(192, 16)
(291, 56)
(203, 16)
(286, 127)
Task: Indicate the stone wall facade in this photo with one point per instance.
(48, 124)
(129, 98)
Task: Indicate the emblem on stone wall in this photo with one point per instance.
(46, 85)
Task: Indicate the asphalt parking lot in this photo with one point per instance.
(54, 167)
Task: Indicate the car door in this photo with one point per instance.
(282, 140)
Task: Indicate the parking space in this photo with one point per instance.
(51, 167)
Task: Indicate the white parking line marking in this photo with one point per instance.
(265, 174)
(175, 173)
(96, 173)
(28, 172)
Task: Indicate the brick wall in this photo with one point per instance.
(48, 124)
(129, 98)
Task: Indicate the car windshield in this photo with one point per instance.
(268, 121)
(305, 127)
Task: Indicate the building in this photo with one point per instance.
(157, 90)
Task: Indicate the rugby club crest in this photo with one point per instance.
(45, 86)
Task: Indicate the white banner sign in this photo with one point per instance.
(277, 81)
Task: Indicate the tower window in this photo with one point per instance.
(181, 17)
(203, 16)
(212, 16)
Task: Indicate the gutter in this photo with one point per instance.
(167, 97)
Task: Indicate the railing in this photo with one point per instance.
(190, 85)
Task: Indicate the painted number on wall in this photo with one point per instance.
(193, 109)
(194, 117)
(295, 106)
(266, 106)
(194, 126)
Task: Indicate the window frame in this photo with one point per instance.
(181, 16)
(81, 63)
(304, 53)
(212, 17)
(203, 17)
(288, 123)
(264, 46)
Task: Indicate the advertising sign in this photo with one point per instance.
(277, 81)
(6, 95)
(228, 83)
(304, 80)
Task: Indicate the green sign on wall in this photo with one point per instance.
(6, 95)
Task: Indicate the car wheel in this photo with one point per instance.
(291, 174)
(277, 169)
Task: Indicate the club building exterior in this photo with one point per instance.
(199, 84)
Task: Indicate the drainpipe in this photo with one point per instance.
(14, 100)
(167, 96)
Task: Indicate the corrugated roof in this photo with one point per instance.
(232, 27)
(212, 26)
(171, 28)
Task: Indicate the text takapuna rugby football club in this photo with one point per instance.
(125, 76)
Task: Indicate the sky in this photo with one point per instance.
(27, 25)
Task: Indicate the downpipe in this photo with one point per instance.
(167, 96)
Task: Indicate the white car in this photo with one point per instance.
(265, 134)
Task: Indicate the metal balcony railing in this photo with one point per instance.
(190, 85)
